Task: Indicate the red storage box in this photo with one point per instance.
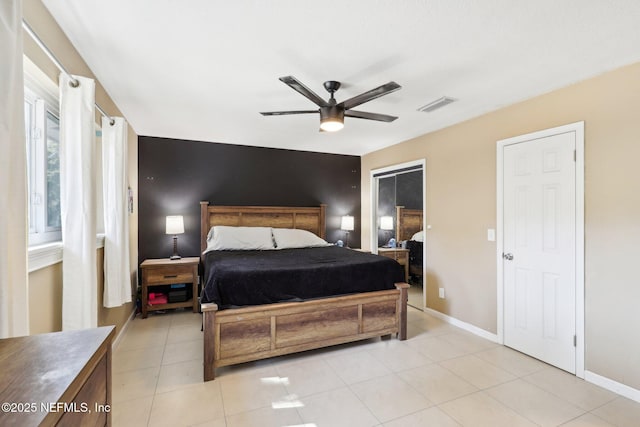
(156, 298)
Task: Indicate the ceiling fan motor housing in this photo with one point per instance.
(332, 113)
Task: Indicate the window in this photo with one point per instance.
(53, 171)
(42, 131)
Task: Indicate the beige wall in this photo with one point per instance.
(461, 206)
(45, 285)
(45, 300)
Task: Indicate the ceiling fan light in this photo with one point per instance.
(331, 118)
(331, 124)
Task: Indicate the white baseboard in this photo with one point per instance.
(611, 385)
(116, 342)
(463, 325)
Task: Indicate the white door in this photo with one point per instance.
(539, 248)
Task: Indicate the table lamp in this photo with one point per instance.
(175, 226)
(347, 225)
(386, 223)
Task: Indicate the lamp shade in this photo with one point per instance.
(175, 224)
(386, 223)
(347, 223)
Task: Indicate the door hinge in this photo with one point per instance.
(575, 341)
(574, 155)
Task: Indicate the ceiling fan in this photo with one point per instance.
(332, 114)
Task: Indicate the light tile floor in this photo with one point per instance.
(440, 376)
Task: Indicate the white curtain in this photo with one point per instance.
(14, 308)
(117, 282)
(78, 203)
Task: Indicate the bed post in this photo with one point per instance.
(323, 223)
(209, 324)
(400, 225)
(204, 225)
(402, 312)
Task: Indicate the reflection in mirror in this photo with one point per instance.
(386, 209)
(386, 225)
(400, 224)
(410, 230)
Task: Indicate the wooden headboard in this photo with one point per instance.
(304, 218)
(408, 222)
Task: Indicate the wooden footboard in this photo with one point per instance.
(252, 333)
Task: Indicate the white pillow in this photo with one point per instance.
(419, 236)
(240, 238)
(289, 238)
(210, 235)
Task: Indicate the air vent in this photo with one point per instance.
(438, 103)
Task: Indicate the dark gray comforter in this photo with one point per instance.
(241, 278)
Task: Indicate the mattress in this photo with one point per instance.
(242, 278)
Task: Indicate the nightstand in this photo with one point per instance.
(164, 271)
(400, 255)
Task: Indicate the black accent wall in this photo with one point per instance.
(175, 175)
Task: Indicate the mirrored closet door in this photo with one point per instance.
(398, 222)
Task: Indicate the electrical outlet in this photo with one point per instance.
(441, 292)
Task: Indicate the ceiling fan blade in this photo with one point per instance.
(284, 113)
(369, 95)
(303, 90)
(369, 116)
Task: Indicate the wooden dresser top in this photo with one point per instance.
(47, 368)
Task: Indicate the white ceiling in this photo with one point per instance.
(204, 69)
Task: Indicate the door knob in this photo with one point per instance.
(508, 257)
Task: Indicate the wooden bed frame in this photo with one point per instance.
(408, 222)
(246, 334)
